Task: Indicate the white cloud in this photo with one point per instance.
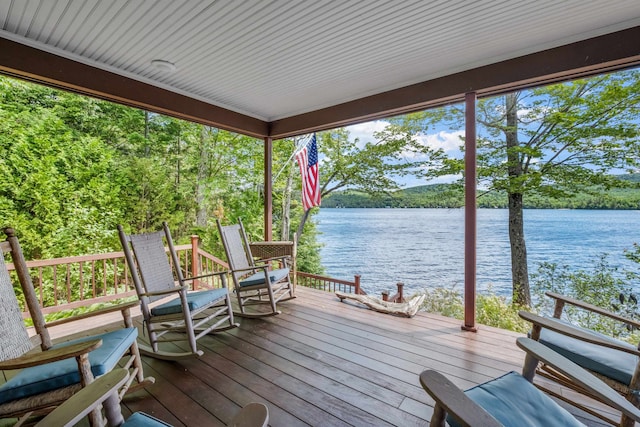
(447, 141)
(364, 131)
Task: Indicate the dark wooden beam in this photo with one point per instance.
(593, 56)
(32, 64)
(268, 189)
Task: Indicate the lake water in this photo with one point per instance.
(424, 248)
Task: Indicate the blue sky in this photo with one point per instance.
(443, 138)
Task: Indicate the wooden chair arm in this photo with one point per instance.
(592, 308)
(202, 276)
(577, 374)
(450, 399)
(113, 308)
(166, 292)
(275, 258)
(236, 270)
(53, 355)
(568, 330)
(78, 406)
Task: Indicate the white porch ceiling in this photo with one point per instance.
(275, 59)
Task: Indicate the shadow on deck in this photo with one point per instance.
(325, 363)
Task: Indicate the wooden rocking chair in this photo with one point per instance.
(48, 378)
(512, 399)
(196, 313)
(255, 282)
(615, 362)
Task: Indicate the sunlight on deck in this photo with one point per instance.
(323, 362)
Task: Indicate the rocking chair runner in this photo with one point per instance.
(254, 281)
(48, 378)
(197, 313)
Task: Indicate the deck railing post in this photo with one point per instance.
(194, 260)
(356, 280)
(385, 295)
(400, 293)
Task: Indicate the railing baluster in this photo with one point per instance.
(55, 285)
(81, 280)
(93, 278)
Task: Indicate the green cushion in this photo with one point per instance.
(195, 300)
(258, 278)
(140, 419)
(613, 364)
(514, 401)
(51, 376)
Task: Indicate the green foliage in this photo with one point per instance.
(494, 310)
(491, 309)
(444, 301)
(601, 285)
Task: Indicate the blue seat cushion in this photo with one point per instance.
(514, 401)
(140, 419)
(51, 376)
(613, 364)
(195, 300)
(258, 278)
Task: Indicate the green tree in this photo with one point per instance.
(372, 167)
(552, 141)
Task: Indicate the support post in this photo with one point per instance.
(268, 189)
(470, 214)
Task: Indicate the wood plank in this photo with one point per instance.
(323, 362)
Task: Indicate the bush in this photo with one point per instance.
(601, 286)
(491, 309)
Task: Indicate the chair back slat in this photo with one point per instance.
(236, 247)
(152, 262)
(14, 339)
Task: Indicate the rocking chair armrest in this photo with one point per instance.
(165, 292)
(592, 308)
(275, 258)
(78, 406)
(202, 276)
(52, 355)
(125, 308)
(236, 270)
(453, 401)
(573, 332)
(578, 375)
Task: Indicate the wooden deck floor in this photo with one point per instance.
(324, 363)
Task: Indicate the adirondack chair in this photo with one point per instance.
(512, 399)
(615, 362)
(103, 391)
(193, 313)
(255, 282)
(48, 378)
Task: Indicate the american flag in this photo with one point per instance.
(308, 161)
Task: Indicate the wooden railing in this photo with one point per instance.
(80, 281)
(330, 284)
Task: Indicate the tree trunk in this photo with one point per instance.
(286, 206)
(519, 270)
(303, 221)
(201, 179)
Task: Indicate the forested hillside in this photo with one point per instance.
(452, 196)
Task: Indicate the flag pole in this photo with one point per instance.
(296, 151)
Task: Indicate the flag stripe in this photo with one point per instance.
(308, 161)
